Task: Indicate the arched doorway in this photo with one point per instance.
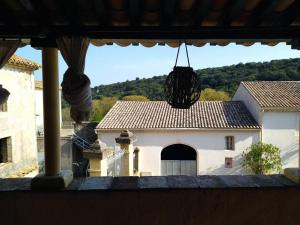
(178, 159)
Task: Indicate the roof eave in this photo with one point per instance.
(281, 109)
(178, 129)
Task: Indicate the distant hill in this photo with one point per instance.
(226, 78)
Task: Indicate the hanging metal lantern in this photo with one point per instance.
(3, 95)
(182, 86)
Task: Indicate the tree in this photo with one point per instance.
(101, 107)
(138, 98)
(209, 94)
(65, 114)
(262, 158)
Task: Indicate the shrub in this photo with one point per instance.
(262, 158)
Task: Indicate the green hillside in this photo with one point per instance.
(226, 78)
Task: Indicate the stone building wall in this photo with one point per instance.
(18, 123)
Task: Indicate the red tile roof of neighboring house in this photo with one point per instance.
(275, 94)
(20, 62)
(160, 115)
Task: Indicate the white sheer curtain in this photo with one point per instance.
(76, 85)
(7, 49)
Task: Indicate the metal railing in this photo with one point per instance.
(80, 142)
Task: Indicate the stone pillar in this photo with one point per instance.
(125, 140)
(98, 167)
(97, 155)
(53, 178)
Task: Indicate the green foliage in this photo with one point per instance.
(101, 107)
(226, 78)
(138, 98)
(65, 115)
(64, 103)
(262, 158)
(209, 94)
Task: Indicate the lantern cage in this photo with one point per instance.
(182, 86)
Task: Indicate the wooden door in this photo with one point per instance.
(178, 167)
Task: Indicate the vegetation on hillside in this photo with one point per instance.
(100, 108)
(226, 78)
(139, 98)
(209, 94)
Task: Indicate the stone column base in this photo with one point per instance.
(293, 174)
(61, 181)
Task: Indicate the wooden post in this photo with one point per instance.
(51, 111)
(53, 178)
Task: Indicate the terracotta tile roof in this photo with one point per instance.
(158, 114)
(20, 62)
(275, 94)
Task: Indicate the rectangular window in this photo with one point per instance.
(228, 162)
(5, 150)
(3, 107)
(229, 142)
(136, 160)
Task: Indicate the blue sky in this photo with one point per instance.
(110, 64)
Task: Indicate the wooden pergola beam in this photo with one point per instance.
(262, 13)
(200, 12)
(100, 9)
(231, 12)
(289, 15)
(134, 12)
(169, 7)
(97, 32)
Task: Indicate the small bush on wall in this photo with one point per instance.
(262, 159)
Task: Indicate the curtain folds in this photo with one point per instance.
(76, 85)
(7, 49)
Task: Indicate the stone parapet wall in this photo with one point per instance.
(201, 200)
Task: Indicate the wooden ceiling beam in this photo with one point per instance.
(168, 12)
(8, 14)
(37, 10)
(6, 17)
(200, 12)
(134, 9)
(289, 15)
(70, 9)
(101, 10)
(231, 11)
(176, 33)
(262, 12)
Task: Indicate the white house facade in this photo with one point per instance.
(18, 151)
(209, 146)
(39, 110)
(275, 105)
(210, 137)
(217, 133)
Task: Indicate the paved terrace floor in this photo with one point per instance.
(172, 200)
